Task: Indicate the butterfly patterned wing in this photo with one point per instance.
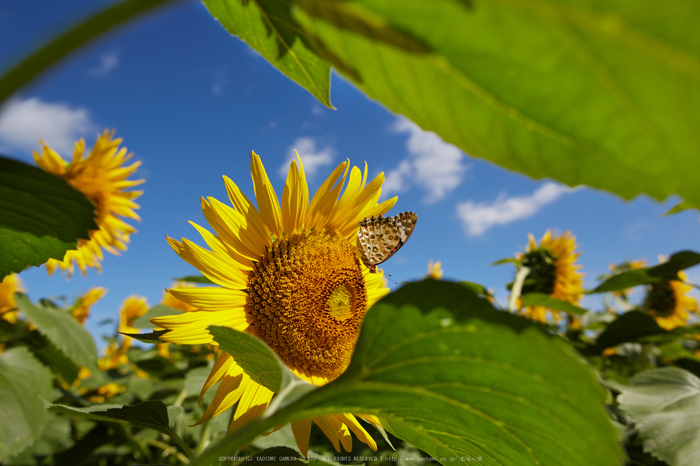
(379, 237)
(406, 223)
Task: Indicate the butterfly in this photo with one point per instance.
(380, 237)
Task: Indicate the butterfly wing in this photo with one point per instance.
(380, 237)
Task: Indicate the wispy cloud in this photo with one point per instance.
(108, 62)
(312, 157)
(23, 122)
(220, 81)
(432, 164)
(479, 217)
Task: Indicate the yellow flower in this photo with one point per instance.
(102, 177)
(669, 303)
(81, 310)
(290, 275)
(434, 270)
(107, 391)
(553, 271)
(132, 308)
(10, 285)
(114, 356)
(171, 301)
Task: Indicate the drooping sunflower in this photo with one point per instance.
(669, 303)
(553, 271)
(102, 177)
(289, 274)
(81, 310)
(10, 285)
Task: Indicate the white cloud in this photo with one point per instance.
(477, 218)
(317, 110)
(24, 122)
(312, 157)
(108, 62)
(432, 164)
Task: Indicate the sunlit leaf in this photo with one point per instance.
(255, 357)
(62, 330)
(23, 382)
(665, 406)
(448, 373)
(269, 28)
(41, 216)
(664, 271)
(585, 92)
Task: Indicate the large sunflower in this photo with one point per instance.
(102, 177)
(553, 271)
(289, 274)
(668, 302)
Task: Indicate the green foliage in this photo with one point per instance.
(24, 381)
(270, 28)
(62, 330)
(151, 414)
(41, 216)
(544, 300)
(664, 271)
(529, 401)
(665, 406)
(583, 92)
(254, 357)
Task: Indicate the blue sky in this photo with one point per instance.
(191, 102)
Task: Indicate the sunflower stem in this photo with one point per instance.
(517, 287)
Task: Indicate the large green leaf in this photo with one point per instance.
(41, 216)
(151, 414)
(591, 92)
(665, 405)
(59, 326)
(72, 39)
(23, 382)
(629, 327)
(268, 27)
(453, 376)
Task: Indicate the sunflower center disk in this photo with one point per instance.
(662, 299)
(307, 298)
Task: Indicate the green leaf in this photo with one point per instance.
(665, 405)
(453, 376)
(195, 279)
(158, 310)
(665, 271)
(255, 357)
(150, 414)
(153, 337)
(680, 207)
(63, 45)
(41, 216)
(629, 327)
(59, 326)
(585, 91)
(541, 299)
(23, 382)
(269, 27)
